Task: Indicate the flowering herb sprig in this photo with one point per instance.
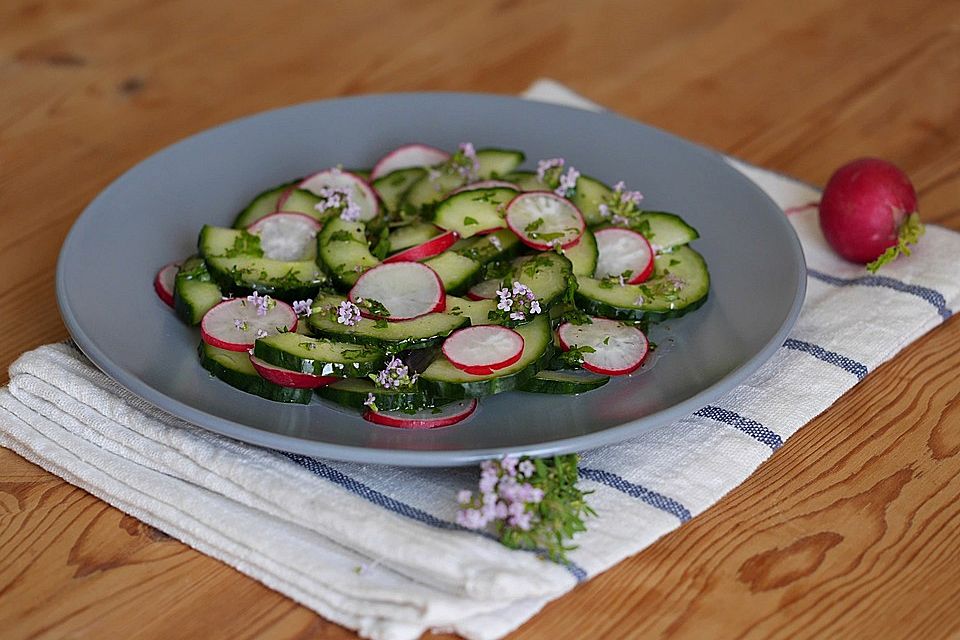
(395, 375)
(529, 503)
(348, 314)
(551, 173)
(621, 206)
(371, 402)
(516, 302)
(262, 303)
(303, 308)
(340, 202)
(464, 163)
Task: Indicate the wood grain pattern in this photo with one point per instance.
(850, 530)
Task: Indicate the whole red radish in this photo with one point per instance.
(868, 212)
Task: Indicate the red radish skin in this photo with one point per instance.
(868, 207)
(631, 250)
(407, 156)
(163, 282)
(432, 247)
(422, 419)
(216, 326)
(287, 378)
(407, 290)
(519, 216)
(620, 351)
(483, 349)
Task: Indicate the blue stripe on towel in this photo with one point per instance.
(652, 498)
(749, 427)
(402, 508)
(834, 358)
(932, 296)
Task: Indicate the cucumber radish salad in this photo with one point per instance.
(411, 290)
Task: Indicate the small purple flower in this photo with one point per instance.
(348, 313)
(519, 316)
(526, 468)
(568, 183)
(509, 464)
(471, 519)
(535, 306)
(262, 303)
(464, 496)
(371, 402)
(338, 199)
(521, 521)
(544, 167)
(676, 281)
(240, 324)
(261, 334)
(303, 307)
(395, 375)
(495, 241)
(470, 166)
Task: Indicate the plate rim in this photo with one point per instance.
(429, 458)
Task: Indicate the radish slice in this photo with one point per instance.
(543, 220)
(406, 289)
(409, 155)
(235, 325)
(623, 250)
(618, 348)
(360, 192)
(443, 416)
(486, 184)
(486, 290)
(428, 249)
(483, 349)
(287, 378)
(164, 281)
(287, 235)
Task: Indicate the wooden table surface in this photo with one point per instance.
(852, 529)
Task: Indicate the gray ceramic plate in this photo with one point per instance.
(151, 216)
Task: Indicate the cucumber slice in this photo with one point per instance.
(262, 204)
(235, 368)
(443, 379)
(319, 357)
(564, 381)
(476, 310)
(412, 235)
(301, 201)
(470, 212)
(493, 163)
(354, 393)
(680, 284)
(391, 337)
(583, 255)
(664, 230)
(342, 247)
(462, 265)
(526, 180)
(236, 263)
(194, 293)
(588, 197)
(546, 274)
(496, 163)
(392, 186)
(283, 280)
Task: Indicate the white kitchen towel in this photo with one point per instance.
(376, 548)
